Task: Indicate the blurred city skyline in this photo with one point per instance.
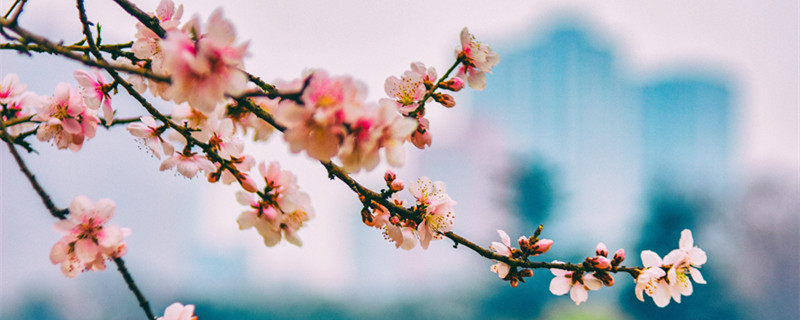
(592, 127)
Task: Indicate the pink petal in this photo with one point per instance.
(661, 296)
(560, 285)
(86, 250)
(698, 256)
(697, 276)
(59, 251)
(686, 241)
(502, 269)
(578, 294)
(110, 237)
(71, 125)
(592, 282)
(651, 259)
(105, 210)
(504, 237)
(247, 220)
(80, 208)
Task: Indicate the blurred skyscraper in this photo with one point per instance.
(563, 101)
(613, 154)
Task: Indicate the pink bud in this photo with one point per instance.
(389, 176)
(523, 242)
(599, 262)
(454, 84)
(248, 183)
(619, 256)
(394, 220)
(542, 246)
(526, 272)
(601, 250)
(514, 282)
(397, 185)
(445, 99)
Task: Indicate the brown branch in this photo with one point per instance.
(143, 303)
(53, 48)
(114, 49)
(149, 21)
(48, 203)
(530, 264)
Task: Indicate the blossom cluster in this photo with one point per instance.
(67, 118)
(325, 116)
(279, 210)
(529, 247)
(663, 280)
(88, 240)
(432, 204)
(203, 62)
(332, 119)
(679, 264)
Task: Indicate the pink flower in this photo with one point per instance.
(477, 59)
(204, 69)
(219, 135)
(576, 283)
(243, 164)
(244, 120)
(188, 164)
(421, 137)
(318, 126)
(503, 249)
(150, 132)
(20, 106)
(94, 89)
(280, 210)
(402, 236)
(147, 46)
(438, 217)
(191, 117)
(372, 131)
(409, 89)
(177, 311)
(10, 88)
(88, 241)
(65, 119)
(652, 280)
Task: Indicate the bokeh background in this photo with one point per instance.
(623, 122)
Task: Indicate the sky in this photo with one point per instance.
(757, 43)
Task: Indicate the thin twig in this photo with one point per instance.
(50, 47)
(143, 303)
(48, 203)
(149, 21)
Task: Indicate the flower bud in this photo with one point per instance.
(514, 282)
(541, 246)
(445, 99)
(526, 273)
(454, 84)
(394, 220)
(601, 250)
(599, 262)
(606, 278)
(214, 176)
(523, 242)
(389, 176)
(619, 256)
(247, 183)
(397, 185)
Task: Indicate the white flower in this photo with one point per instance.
(652, 281)
(576, 283)
(503, 249)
